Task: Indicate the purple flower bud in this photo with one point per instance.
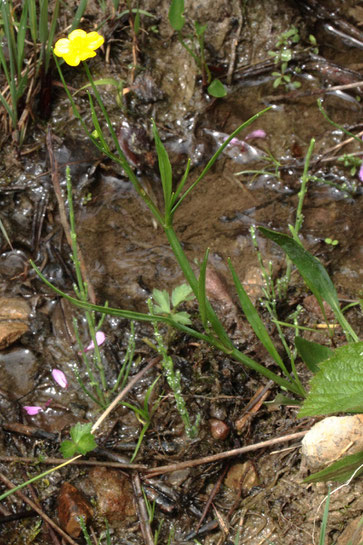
(100, 339)
(60, 378)
(32, 409)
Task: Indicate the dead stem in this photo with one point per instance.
(63, 215)
(51, 461)
(222, 455)
(34, 506)
(142, 511)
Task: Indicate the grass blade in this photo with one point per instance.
(202, 299)
(255, 321)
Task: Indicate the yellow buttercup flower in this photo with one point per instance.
(79, 46)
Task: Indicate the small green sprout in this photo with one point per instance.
(332, 242)
(82, 441)
(166, 307)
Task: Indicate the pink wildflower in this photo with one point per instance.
(32, 409)
(100, 339)
(360, 173)
(258, 133)
(60, 378)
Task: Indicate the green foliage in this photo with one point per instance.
(314, 275)
(144, 415)
(82, 441)
(339, 471)
(352, 162)
(338, 385)
(162, 303)
(217, 89)
(312, 353)
(282, 55)
(177, 20)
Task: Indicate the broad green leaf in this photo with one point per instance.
(338, 385)
(180, 294)
(68, 448)
(176, 17)
(340, 471)
(312, 353)
(314, 274)
(162, 298)
(166, 174)
(217, 89)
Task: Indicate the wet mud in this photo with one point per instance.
(127, 255)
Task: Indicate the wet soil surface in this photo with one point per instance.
(260, 495)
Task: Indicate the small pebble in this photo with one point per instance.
(219, 429)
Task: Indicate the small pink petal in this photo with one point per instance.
(60, 378)
(32, 409)
(360, 173)
(100, 339)
(258, 133)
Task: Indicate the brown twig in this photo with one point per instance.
(63, 215)
(34, 506)
(125, 391)
(222, 455)
(51, 461)
(212, 495)
(142, 511)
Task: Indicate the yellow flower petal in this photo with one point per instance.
(72, 59)
(78, 33)
(61, 47)
(94, 40)
(78, 47)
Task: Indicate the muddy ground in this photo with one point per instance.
(127, 255)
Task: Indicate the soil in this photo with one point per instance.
(127, 255)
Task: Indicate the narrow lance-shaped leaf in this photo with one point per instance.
(176, 18)
(340, 471)
(313, 273)
(255, 320)
(164, 167)
(202, 299)
(312, 353)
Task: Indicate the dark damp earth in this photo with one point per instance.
(260, 495)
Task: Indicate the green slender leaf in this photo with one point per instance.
(324, 521)
(96, 124)
(338, 385)
(339, 471)
(214, 158)
(137, 23)
(313, 273)
(202, 298)
(43, 22)
(255, 320)
(79, 14)
(164, 167)
(217, 89)
(181, 183)
(21, 37)
(281, 399)
(33, 19)
(312, 353)
(53, 25)
(176, 18)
